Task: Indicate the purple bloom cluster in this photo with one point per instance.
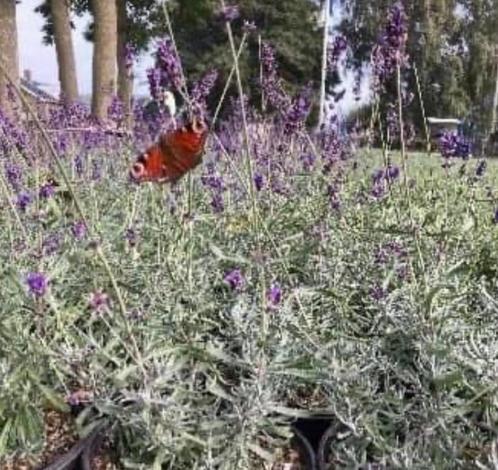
(24, 199)
(115, 111)
(271, 84)
(47, 191)
(274, 294)
(229, 13)
(79, 229)
(298, 111)
(131, 237)
(391, 48)
(200, 91)
(453, 145)
(216, 185)
(259, 181)
(99, 301)
(37, 284)
(481, 168)
(167, 71)
(381, 178)
(235, 279)
(334, 52)
(13, 173)
(51, 244)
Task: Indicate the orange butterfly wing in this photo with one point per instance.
(183, 149)
(176, 153)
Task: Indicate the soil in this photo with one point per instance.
(60, 436)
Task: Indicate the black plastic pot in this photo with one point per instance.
(331, 454)
(80, 456)
(303, 446)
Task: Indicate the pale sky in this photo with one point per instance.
(41, 59)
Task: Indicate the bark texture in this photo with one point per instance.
(104, 56)
(64, 49)
(8, 49)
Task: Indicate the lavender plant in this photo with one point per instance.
(400, 358)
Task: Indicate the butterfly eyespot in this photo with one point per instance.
(137, 170)
(198, 126)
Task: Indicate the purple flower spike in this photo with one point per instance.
(99, 301)
(13, 173)
(201, 90)
(453, 145)
(169, 63)
(258, 181)
(37, 284)
(79, 230)
(481, 168)
(229, 13)
(334, 52)
(23, 201)
(249, 27)
(274, 294)
(235, 279)
(47, 191)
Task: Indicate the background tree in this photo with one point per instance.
(104, 56)
(480, 25)
(452, 44)
(57, 29)
(8, 48)
(289, 25)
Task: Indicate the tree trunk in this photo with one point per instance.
(8, 49)
(125, 77)
(326, 37)
(104, 57)
(65, 50)
(492, 127)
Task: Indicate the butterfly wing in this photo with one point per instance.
(176, 153)
(149, 166)
(184, 148)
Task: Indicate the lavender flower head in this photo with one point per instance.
(154, 79)
(274, 294)
(334, 52)
(453, 145)
(298, 111)
(13, 173)
(23, 201)
(167, 71)
(229, 13)
(391, 48)
(47, 191)
(79, 230)
(99, 301)
(271, 83)
(249, 27)
(235, 279)
(37, 284)
(200, 91)
(258, 181)
(481, 168)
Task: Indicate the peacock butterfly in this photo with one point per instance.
(176, 153)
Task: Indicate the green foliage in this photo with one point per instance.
(217, 374)
(453, 49)
(290, 25)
